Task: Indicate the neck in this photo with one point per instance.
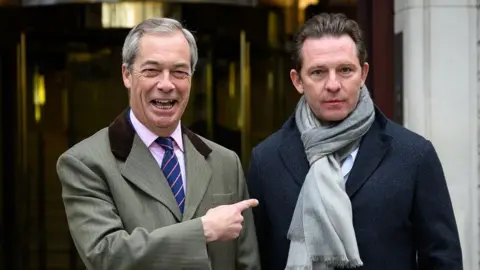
(328, 123)
(163, 131)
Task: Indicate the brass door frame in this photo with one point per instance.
(21, 188)
(245, 98)
(22, 104)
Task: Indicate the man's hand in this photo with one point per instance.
(224, 223)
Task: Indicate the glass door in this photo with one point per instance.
(69, 86)
(244, 72)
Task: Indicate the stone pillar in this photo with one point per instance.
(440, 89)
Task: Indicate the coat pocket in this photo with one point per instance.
(222, 199)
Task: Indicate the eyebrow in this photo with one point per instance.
(343, 63)
(181, 65)
(315, 67)
(150, 62)
(156, 63)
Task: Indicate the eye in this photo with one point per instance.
(150, 72)
(345, 70)
(318, 72)
(179, 74)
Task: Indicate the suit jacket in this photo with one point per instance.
(122, 214)
(400, 201)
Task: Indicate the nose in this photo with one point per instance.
(164, 83)
(332, 84)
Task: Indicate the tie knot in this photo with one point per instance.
(165, 143)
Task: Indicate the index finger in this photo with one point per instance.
(245, 204)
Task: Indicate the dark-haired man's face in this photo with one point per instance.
(331, 76)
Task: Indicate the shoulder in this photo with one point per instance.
(409, 147)
(90, 158)
(95, 147)
(287, 135)
(219, 152)
(272, 142)
(405, 139)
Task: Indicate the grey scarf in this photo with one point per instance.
(321, 231)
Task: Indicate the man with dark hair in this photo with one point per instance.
(340, 185)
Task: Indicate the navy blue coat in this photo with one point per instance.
(400, 201)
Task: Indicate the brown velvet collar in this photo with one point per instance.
(121, 134)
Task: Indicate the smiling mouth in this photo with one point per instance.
(163, 104)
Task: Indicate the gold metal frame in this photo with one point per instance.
(209, 88)
(245, 97)
(22, 103)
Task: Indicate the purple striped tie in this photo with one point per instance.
(171, 170)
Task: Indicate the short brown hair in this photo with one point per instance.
(328, 24)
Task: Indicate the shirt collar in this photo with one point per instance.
(148, 137)
(348, 162)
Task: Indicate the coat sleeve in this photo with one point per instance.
(436, 234)
(100, 238)
(247, 257)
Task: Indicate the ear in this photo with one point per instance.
(127, 77)
(296, 80)
(364, 73)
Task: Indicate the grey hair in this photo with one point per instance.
(156, 26)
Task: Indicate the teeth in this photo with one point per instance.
(164, 101)
(164, 104)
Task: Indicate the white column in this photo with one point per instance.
(440, 98)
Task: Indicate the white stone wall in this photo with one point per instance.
(478, 112)
(441, 86)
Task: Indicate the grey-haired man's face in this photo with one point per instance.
(159, 81)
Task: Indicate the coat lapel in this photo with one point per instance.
(293, 154)
(199, 175)
(374, 146)
(142, 170)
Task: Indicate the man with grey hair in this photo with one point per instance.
(340, 185)
(148, 193)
